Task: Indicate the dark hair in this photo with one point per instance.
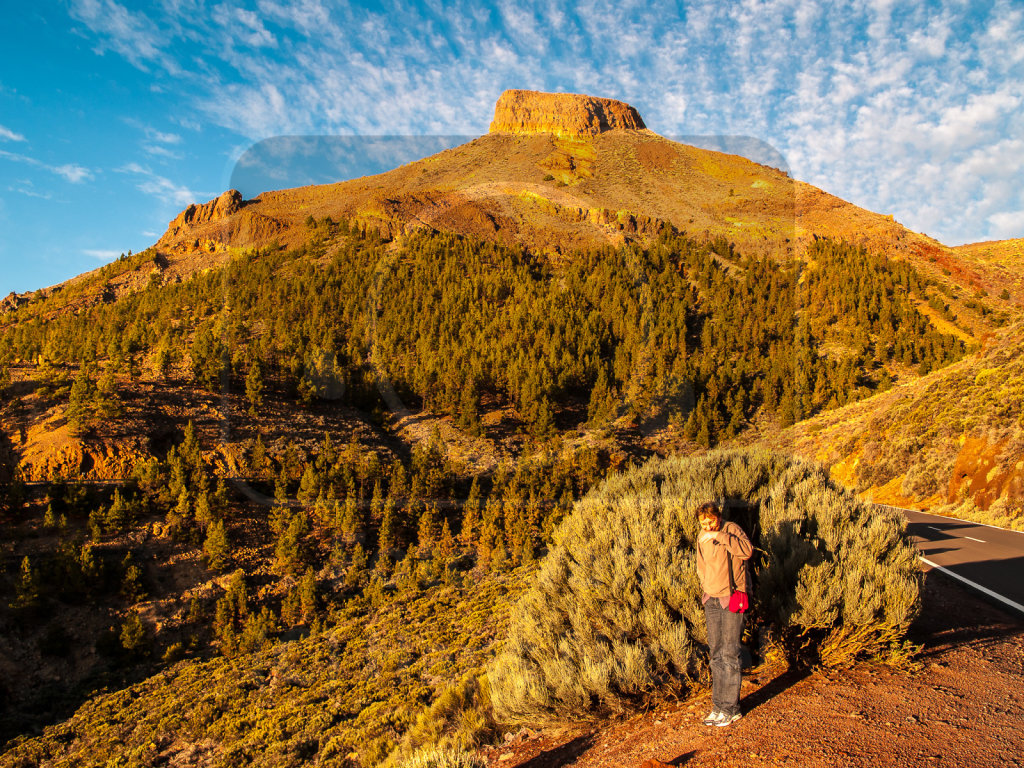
(708, 508)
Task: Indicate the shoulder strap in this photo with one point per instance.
(732, 580)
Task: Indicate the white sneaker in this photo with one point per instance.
(714, 717)
(725, 719)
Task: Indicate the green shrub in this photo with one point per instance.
(615, 620)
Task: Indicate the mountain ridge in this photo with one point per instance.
(570, 172)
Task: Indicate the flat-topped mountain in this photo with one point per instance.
(562, 114)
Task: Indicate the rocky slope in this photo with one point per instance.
(951, 441)
(1000, 264)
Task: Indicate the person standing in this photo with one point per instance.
(722, 553)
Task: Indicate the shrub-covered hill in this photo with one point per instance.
(103, 584)
(552, 370)
(614, 620)
(344, 696)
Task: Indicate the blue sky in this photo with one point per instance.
(113, 117)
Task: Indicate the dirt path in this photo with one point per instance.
(964, 707)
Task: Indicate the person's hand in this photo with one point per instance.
(706, 536)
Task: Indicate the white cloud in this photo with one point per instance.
(166, 190)
(980, 115)
(102, 255)
(133, 168)
(162, 188)
(27, 188)
(162, 137)
(256, 34)
(132, 35)
(1007, 224)
(160, 151)
(7, 134)
(71, 172)
(307, 16)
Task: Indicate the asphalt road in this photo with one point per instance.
(987, 559)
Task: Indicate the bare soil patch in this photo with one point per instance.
(963, 707)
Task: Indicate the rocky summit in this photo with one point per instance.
(563, 114)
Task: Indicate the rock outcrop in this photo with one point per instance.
(12, 301)
(569, 115)
(204, 213)
(213, 226)
(222, 207)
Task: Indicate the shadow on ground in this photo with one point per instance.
(953, 615)
(562, 755)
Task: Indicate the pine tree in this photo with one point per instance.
(256, 633)
(289, 552)
(232, 613)
(108, 403)
(133, 637)
(427, 529)
(217, 548)
(447, 547)
(163, 357)
(203, 507)
(82, 402)
(309, 485)
(254, 387)
(131, 584)
(90, 566)
(377, 503)
(180, 517)
(470, 521)
(119, 516)
(356, 574)
(308, 597)
(291, 607)
(387, 535)
(258, 459)
(27, 592)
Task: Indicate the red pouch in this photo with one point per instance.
(738, 603)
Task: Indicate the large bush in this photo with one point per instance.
(615, 618)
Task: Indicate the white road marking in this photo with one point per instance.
(936, 529)
(980, 541)
(949, 517)
(968, 582)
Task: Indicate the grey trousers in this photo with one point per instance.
(724, 631)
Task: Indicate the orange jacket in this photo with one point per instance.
(713, 561)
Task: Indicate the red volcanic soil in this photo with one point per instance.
(963, 707)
